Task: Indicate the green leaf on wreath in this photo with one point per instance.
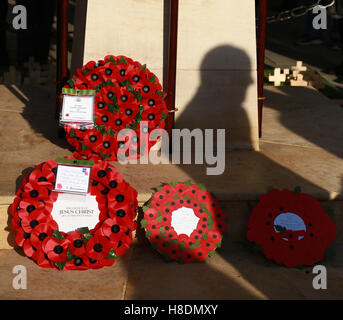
(281, 229)
(57, 235)
(83, 146)
(181, 245)
(86, 237)
(173, 241)
(153, 79)
(71, 82)
(176, 196)
(85, 71)
(297, 190)
(73, 134)
(60, 265)
(195, 245)
(204, 237)
(188, 183)
(137, 95)
(70, 256)
(111, 59)
(211, 253)
(187, 197)
(148, 233)
(144, 223)
(201, 187)
(122, 60)
(159, 219)
(143, 67)
(164, 116)
(84, 230)
(159, 188)
(219, 244)
(111, 255)
(173, 183)
(112, 107)
(104, 156)
(146, 207)
(210, 222)
(110, 132)
(160, 93)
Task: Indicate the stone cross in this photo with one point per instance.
(299, 67)
(278, 77)
(298, 80)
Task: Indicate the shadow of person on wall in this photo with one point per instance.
(220, 100)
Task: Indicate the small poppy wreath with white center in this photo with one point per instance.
(292, 228)
(38, 233)
(184, 222)
(126, 94)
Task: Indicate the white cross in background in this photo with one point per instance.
(299, 67)
(278, 77)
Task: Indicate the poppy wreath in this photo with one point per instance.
(38, 233)
(126, 94)
(305, 242)
(166, 239)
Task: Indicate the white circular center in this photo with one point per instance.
(73, 211)
(184, 221)
(289, 221)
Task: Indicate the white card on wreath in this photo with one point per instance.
(77, 108)
(72, 179)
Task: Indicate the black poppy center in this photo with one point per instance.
(120, 198)
(122, 72)
(120, 213)
(33, 193)
(151, 102)
(115, 228)
(42, 236)
(101, 173)
(113, 184)
(58, 249)
(108, 72)
(106, 144)
(104, 118)
(33, 223)
(97, 247)
(94, 77)
(77, 243)
(101, 105)
(110, 95)
(128, 112)
(118, 122)
(30, 208)
(146, 89)
(124, 98)
(151, 116)
(42, 179)
(92, 138)
(135, 78)
(78, 261)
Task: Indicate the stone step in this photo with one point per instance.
(235, 272)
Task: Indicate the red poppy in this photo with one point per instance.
(136, 76)
(55, 249)
(120, 72)
(98, 247)
(187, 255)
(107, 70)
(173, 252)
(148, 88)
(152, 102)
(76, 247)
(92, 138)
(302, 246)
(40, 233)
(109, 93)
(42, 259)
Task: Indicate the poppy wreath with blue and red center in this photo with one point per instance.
(126, 94)
(183, 248)
(38, 233)
(291, 247)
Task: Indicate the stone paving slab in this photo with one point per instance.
(235, 272)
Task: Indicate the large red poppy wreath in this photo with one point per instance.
(184, 222)
(292, 228)
(127, 93)
(39, 235)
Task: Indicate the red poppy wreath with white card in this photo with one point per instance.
(38, 219)
(292, 228)
(126, 93)
(184, 222)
